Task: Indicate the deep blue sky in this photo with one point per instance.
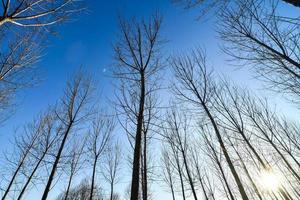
(87, 42)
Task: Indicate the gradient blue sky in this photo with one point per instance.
(87, 42)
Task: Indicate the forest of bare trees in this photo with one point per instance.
(186, 130)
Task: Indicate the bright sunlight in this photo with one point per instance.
(270, 180)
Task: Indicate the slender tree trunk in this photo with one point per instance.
(30, 177)
(189, 174)
(181, 178)
(256, 190)
(221, 169)
(93, 178)
(225, 152)
(15, 173)
(201, 183)
(182, 184)
(111, 190)
(145, 178)
(172, 189)
(68, 188)
(57, 158)
(171, 184)
(260, 161)
(137, 147)
(11, 181)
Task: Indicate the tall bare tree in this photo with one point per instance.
(168, 171)
(73, 109)
(138, 59)
(99, 138)
(25, 144)
(46, 143)
(179, 128)
(74, 163)
(112, 167)
(196, 86)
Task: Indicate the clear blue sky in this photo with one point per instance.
(87, 42)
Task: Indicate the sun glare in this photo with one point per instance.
(270, 180)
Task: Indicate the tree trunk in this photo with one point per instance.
(180, 176)
(222, 173)
(57, 158)
(225, 152)
(201, 183)
(111, 190)
(172, 191)
(15, 174)
(189, 174)
(137, 147)
(11, 182)
(30, 177)
(68, 188)
(145, 181)
(93, 178)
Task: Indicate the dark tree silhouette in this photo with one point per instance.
(195, 86)
(73, 110)
(138, 59)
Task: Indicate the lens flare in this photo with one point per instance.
(270, 180)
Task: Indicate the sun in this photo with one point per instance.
(270, 180)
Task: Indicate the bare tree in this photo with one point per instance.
(175, 161)
(263, 38)
(23, 27)
(179, 128)
(195, 86)
(99, 138)
(215, 156)
(74, 163)
(44, 145)
(256, 34)
(25, 145)
(112, 167)
(32, 13)
(138, 61)
(204, 7)
(168, 172)
(238, 113)
(18, 55)
(72, 110)
(200, 173)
